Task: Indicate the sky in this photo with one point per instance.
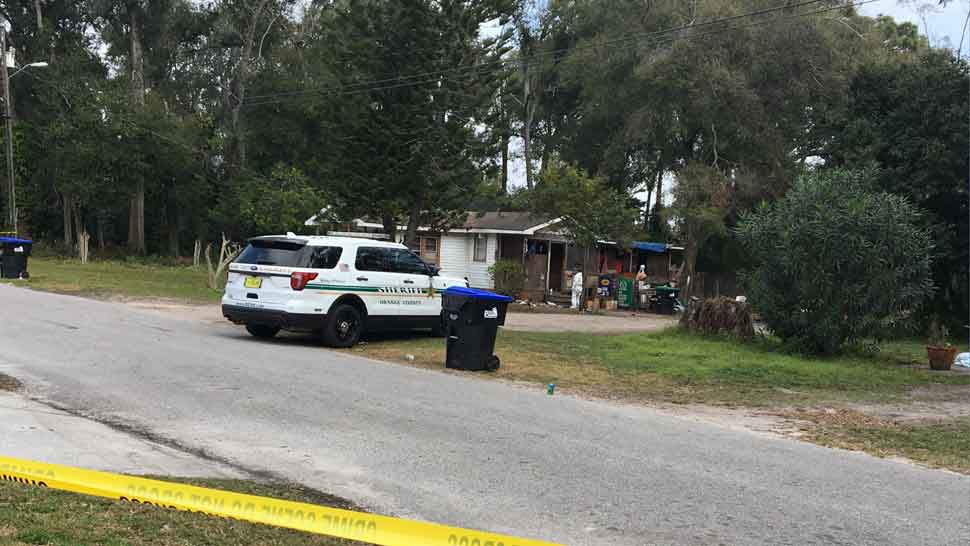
(943, 25)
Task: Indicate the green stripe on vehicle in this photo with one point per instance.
(344, 288)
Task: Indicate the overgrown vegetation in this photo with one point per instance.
(38, 516)
(509, 277)
(836, 261)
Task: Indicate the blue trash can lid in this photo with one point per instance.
(475, 293)
(15, 241)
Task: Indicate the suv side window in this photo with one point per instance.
(324, 257)
(372, 259)
(405, 261)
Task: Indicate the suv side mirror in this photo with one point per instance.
(433, 270)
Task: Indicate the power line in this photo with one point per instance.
(434, 77)
(624, 38)
(538, 58)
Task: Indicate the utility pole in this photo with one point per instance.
(8, 121)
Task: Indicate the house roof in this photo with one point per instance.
(524, 223)
(506, 221)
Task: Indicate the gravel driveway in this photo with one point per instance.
(525, 322)
(593, 324)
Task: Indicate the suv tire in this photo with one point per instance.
(345, 324)
(262, 331)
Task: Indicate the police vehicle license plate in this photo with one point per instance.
(253, 282)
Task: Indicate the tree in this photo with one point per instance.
(422, 124)
(736, 100)
(275, 204)
(247, 24)
(701, 203)
(590, 209)
(908, 115)
(836, 261)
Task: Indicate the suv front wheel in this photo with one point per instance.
(345, 324)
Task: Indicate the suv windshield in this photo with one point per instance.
(289, 254)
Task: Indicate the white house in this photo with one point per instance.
(469, 250)
(549, 258)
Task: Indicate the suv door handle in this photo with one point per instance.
(361, 278)
(408, 281)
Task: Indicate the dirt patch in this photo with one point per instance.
(205, 312)
(8, 383)
(939, 442)
(841, 417)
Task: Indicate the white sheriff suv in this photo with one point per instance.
(338, 287)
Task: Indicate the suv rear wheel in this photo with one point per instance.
(345, 324)
(262, 331)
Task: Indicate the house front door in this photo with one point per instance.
(557, 260)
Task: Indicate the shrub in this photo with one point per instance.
(509, 277)
(835, 262)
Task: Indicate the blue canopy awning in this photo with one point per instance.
(659, 248)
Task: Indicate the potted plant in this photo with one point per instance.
(939, 350)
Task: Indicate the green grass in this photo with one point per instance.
(680, 367)
(944, 444)
(125, 279)
(31, 515)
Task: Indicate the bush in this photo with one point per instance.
(509, 277)
(835, 261)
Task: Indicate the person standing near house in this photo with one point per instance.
(641, 278)
(577, 287)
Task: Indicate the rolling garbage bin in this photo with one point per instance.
(13, 257)
(472, 320)
(667, 299)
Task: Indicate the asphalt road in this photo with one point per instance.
(461, 450)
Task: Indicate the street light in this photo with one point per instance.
(8, 63)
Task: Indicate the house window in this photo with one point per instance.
(427, 248)
(481, 243)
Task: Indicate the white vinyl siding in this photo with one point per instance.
(478, 275)
(457, 258)
(453, 259)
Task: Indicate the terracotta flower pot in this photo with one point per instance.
(941, 358)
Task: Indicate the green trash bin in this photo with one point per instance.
(624, 292)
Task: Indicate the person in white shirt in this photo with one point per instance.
(577, 287)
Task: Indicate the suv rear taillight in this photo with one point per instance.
(298, 279)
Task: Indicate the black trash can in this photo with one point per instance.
(13, 257)
(666, 299)
(472, 320)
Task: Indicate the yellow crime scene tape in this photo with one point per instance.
(382, 530)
